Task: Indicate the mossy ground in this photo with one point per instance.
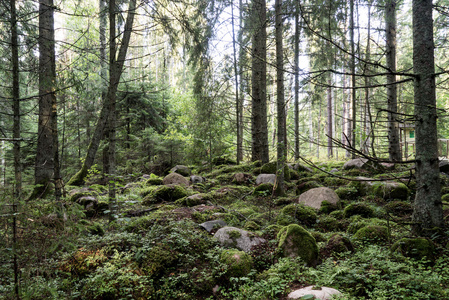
(160, 251)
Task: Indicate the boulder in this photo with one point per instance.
(175, 178)
(182, 170)
(416, 248)
(295, 241)
(315, 197)
(196, 199)
(266, 178)
(164, 193)
(322, 293)
(385, 189)
(238, 263)
(357, 163)
(373, 234)
(194, 179)
(241, 178)
(300, 168)
(209, 226)
(238, 238)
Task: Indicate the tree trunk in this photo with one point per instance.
(329, 119)
(353, 82)
(259, 128)
(394, 149)
(44, 166)
(296, 62)
(16, 100)
(428, 209)
(279, 186)
(238, 109)
(78, 178)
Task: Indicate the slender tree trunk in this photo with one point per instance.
(45, 164)
(329, 119)
(259, 129)
(353, 82)
(238, 109)
(78, 178)
(394, 149)
(279, 188)
(428, 208)
(296, 62)
(241, 77)
(113, 84)
(16, 100)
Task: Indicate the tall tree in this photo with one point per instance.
(296, 72)
(16, 99)
(281, 148)
(45, 152)
(259, 125)
(353, 81)
(428, 209)
(238, 109)
(394, 149)
(117, 70)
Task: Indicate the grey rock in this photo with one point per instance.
(238, 238)
(194, 179)
(265, 178)
(357, 163)
(314, 197)
(175, 178)
(211, 225)
(444, 166)
(181, 169)
(322, 293)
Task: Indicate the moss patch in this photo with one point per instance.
(417, 248)
(297, 213)
(373, 234)
(238, 263)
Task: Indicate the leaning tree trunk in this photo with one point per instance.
(78, 178)
(394, 149)
(428, 209)
(44, 165)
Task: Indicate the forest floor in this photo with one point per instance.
(156, 246)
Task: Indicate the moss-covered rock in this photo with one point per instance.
(165, 193)
(373, 234)
(357, 222)
(264, 189)
(337, 214)
(360, 208)
(297, 213)
(347, 192)
(238, 262)
(337, 244)
(252, 226)
(417, 248)
(295, 241)
(328, 224)
(75, 194)
(157, 259)
(175, 178)
(399, 208)
(389, 190)
(238, 238)
(154, 181)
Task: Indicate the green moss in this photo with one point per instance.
(305, 186)
(373, 234)
(347, 192)
(140, 224)
(251, 226)
(359, 208)
(328, 224)
(165, 193)
(271, 168)
(337, 214)
(238, 263)
(96, 229)
(399, 208)
(297, 213)
(154, 181)
(234, 234)
(385, 190)
(337, 244)
(327, 207)
(264, 189)
(157, 259)
(99, 188)
(334, 181)
(295, 241)
(83, 193)
(417, 248)
(358, 222)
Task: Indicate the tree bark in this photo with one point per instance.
(329, 119)
(296, 62)
(394, 149)
(428, 209)
(353, 81)
(16, 100)
(259, 128)
(238, 109)
(279, 187)
(78, 178)
(44, 166)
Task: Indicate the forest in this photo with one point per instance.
(224, 149)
